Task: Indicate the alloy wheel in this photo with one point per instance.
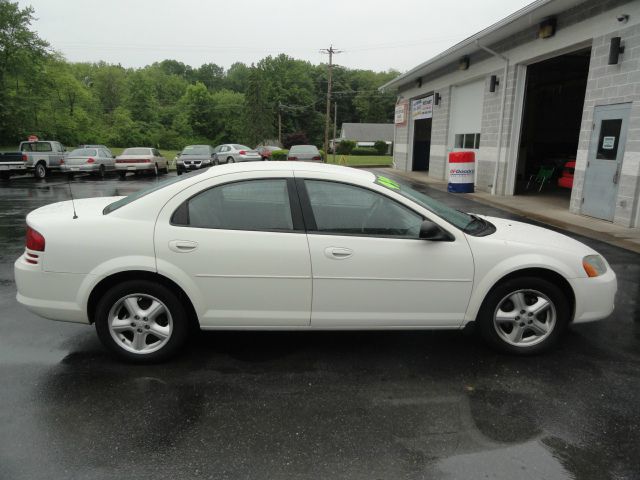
(525, 318)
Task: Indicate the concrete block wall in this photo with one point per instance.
(439, 135)
(401, 145)
(609, 85)
(487, 154)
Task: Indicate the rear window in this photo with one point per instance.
(146, 191)
(304, 149)
(241, 147)
(137, 151)
(35, 147)
(83, 152)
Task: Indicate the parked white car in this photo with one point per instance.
(97, 161)
(301, 246)
(141, 159)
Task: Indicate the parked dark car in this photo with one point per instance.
(194, 157)
(305, 153)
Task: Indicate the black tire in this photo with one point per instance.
(556, 317)
(179, 171)
(231, 160)
(5, 175)
(156, 171)
(216, 162)
(122, 175)
(40, 170)
(101, 172)
(179, 321)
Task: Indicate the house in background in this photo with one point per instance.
(366, 134)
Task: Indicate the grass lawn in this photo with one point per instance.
(361, 161)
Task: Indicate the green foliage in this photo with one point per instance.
(381, 147)
(279, 154)
(170, 104)
(345, 147)
(364, 151)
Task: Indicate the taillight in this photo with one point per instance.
(316, 158)
(242, 152)
(292, 158)
(34, 240)
(147, 160)
(91, 160)
(25, 157)
(61, 161)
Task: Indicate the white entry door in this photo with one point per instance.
(604, 161)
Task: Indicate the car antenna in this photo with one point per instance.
(73, 204)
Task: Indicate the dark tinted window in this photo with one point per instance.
(249, 205)
(346, 209)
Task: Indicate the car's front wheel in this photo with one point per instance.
(524, 315)
(141, 321)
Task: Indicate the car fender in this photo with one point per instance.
(487, 279)
(184, 281)
(109, 268)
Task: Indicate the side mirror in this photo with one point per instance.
(432, 232)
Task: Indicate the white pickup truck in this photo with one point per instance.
(39, 157)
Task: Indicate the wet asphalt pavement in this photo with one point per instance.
(320, 405)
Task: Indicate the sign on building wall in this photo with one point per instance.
(401, 114)
(422, 108)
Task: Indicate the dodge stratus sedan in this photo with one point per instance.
(300, 246)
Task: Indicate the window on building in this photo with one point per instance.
(467, 140)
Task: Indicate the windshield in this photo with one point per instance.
(240, 147)
(137, 151)
(83, 152)
(196, 150)
(146, 191)
(467, 223)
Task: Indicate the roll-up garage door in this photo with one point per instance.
(466, 116)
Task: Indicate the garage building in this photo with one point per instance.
(548, 99)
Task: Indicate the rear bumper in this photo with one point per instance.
(80, 168)
(13, 167)
(49, 295)
(134, 167)
(594, 296)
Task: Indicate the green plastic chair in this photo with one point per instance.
(543, 176)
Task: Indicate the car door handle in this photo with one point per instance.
(182, 246)
(338, 253)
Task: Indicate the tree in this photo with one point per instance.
(237, 77)
(259, 112)
(110, 85)
(211, 75)
(197, 105)
(141, 97)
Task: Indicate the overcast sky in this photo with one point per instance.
(373, 34)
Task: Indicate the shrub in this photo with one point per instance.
(364, 151)
(381, 147)
(323, 155)
(279, 154)
(345, 147)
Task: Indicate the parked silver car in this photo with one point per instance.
(96, 161)
(232, 152)
(305, 153)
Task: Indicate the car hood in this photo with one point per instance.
(511, 231)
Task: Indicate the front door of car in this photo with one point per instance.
(370, 269)
(238, 251)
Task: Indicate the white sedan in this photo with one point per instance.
(301, 246)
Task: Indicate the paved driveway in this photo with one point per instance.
(321, 405)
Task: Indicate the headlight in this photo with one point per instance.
(594, 265)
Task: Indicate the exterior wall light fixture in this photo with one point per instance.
(493, 83)
(437, 98)
(615, 49)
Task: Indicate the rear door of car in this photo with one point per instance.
(237, 245)
(370, 269)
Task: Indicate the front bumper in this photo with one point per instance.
(49, 295)
(594, 296)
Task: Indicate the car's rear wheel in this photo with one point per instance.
(101, 171)
(122, 175)
(40, 171)
(524, 315)
(231, 160)
(141, 321)
(156, 172)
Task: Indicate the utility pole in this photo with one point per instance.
(280, 124)
(331, 51)
(335, 126)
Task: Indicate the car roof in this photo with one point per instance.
(239, 167)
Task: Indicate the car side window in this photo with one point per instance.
(247, 205)
(339, 208)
